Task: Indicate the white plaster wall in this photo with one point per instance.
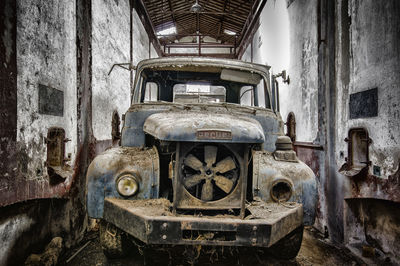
(140, 44)
(301, 96)
(153, 52)
(374, 63)
(46, 54)
(110, 45)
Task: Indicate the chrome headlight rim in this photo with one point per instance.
(127, 178)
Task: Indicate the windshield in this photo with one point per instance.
(202, 85)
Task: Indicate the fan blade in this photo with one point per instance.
(210, 155)
(193, 180)
(207, 191)
(223, 183)
(225, 165)
(193, 162)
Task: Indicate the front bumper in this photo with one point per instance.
(152, 222)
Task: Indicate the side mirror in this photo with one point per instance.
(285, 79)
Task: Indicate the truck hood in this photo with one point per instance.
(203, 127)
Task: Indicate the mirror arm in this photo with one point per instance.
(127, 66)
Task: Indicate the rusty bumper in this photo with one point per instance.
(152, 222)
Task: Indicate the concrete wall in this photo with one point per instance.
(111, 45)
(368, 56)
(373, 61)
(140, 40)
(46, 54)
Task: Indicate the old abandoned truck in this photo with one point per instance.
(202, 161)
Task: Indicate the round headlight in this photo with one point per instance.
(281, 191)
(127, 185)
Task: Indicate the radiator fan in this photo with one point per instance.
(210, 172)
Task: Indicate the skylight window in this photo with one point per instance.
(167, 31)
(229, 32)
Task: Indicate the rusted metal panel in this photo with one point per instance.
(367, 185)
(152, 222)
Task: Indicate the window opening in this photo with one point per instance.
(198, 93)
(247, 96)
(151, 92)
(208, 84)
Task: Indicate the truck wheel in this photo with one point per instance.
(112, 240)
(287, 248)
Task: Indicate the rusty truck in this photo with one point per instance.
(203, 161)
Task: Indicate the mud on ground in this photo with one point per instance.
(314, 251)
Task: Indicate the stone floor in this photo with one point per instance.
(314, 251)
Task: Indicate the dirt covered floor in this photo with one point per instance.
(314, 251)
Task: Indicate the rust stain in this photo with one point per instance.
(366, 185)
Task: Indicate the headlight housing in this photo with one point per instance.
(127, 185)
(281, 190)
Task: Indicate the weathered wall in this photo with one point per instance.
(45, 55)
(368, 56)
(140, 40)
(373, 61)
(45, 50)
(110, 45)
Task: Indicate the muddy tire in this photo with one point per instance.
(112, 240)
(289, 246)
